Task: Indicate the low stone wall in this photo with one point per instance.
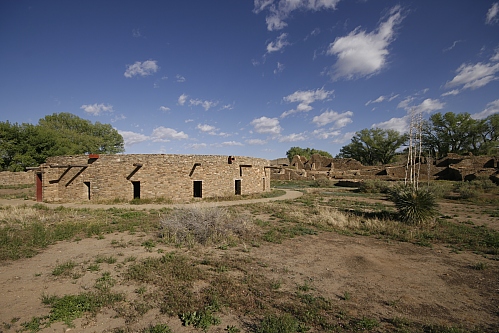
(16, 178)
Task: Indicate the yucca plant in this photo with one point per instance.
(414, 206)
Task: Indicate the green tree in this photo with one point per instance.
(460, 134)
(373, 146)
(305, 152)
(25, 145)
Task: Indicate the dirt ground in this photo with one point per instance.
(383, 279)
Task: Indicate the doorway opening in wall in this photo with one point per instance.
(136, 190)
(238, 186)
(87, 187)
(198, 189)
(39, 191)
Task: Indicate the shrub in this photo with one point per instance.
(278, 324)
(203, 225)
(466, 190)
(415, 206)
(374, 186)
(322, 182)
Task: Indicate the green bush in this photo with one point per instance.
(278, 324)
(374, 186)
(414, 206)
(322, 182)
(466, 190)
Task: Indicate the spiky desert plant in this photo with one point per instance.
(414, 206)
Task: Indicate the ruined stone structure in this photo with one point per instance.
(16, 178)
(176, 177)
(452, 167)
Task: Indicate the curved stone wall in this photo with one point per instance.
(149, 176)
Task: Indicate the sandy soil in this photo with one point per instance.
(383, 279)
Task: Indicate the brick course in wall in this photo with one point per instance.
(16, 178)
(83, 178)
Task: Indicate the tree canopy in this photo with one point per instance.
(25, 145)
(305, 152)
(460, 134)
(373, 146)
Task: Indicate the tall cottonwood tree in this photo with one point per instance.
(373, 146)
(25, 145)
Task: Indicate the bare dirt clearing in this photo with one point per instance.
(401, 286)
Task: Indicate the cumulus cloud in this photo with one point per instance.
(231, 144)
(429, 105)
(97, 109)
(322, 133)
(205, 104)
(492, 108)
(377, 100)
(132, 138)
(491, 17)
(471, 76)
(362, 54)
(182, 99)
(266, 125)
(164, 108)
(164, 134)
(451, 93)
(145, 68)
(344, 138)
(305, 98)
(279, 10)
(180, 78)
(196, 146)
(278, 44)
(205, 128)
(293, 137)
(339, 120)
(400, 125)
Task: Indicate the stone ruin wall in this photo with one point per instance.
(8, 178)
(452, 167)
(172, 177)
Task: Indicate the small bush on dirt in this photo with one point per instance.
(415, 206)
(466, 190)
(323, 182)
(278, 324)
(210, 225)
(374, 186)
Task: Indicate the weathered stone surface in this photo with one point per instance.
(16, 178)
(78, 178)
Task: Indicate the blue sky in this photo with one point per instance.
(253, 78)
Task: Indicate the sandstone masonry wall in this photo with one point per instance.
(16, 178)
(80, 178)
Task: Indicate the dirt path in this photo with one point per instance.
(289, 195)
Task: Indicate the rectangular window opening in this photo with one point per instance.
(87, 187)
(136, 190)
(198, 189)
(238, 187)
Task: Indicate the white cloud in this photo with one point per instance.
(400, 125)
(293, 137)
(429, 105)
(180, 78)
(196, 146)
(118, 117)
(205, 104)
(182, 99)
(164, 134)
(132, 138)
(377, 100)
(205, 128)
(362, 54)
(136, 33)
(227, 107)
(305, 98)
(278, 44)
(492, 14)
(492, 108)
(145, 68)
(474, 76)
(344, 138)
(279, 69)
(266, 125)
(97, 109)
(279, 10)
(495, 57)
(164, 108)
(231, 143)
(322, 133)
(256, 142)
(339, 120)
(451, 93)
